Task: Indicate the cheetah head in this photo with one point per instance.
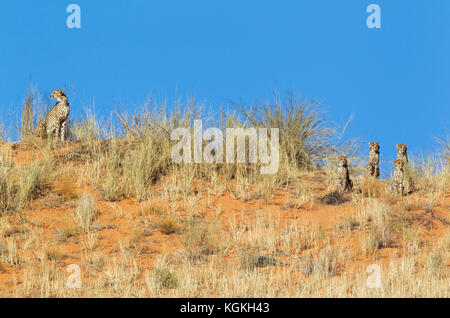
(59, 95)
(342, 161)
(401, 149)
(375, 146)
(399, 164)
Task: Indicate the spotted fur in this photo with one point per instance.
(54, 124)
(402, 150)
(344, 182)
(373, 168)
(397, 186)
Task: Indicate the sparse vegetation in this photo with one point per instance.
(165, 278)
(202, 240)
(85, 212)
(111, 200)
(168, 225)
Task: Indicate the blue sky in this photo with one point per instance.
(395, 80)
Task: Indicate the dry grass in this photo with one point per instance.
(21, 185)
(85, 213)
(167, 225)
(147, 227)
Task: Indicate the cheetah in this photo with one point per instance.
(397, 185)
(408, 181)
(402, 152)
(373, 169)
(344, 182)
(54, 124)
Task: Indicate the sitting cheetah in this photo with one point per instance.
(396, 185)
(345, 184)
(408, 181)
(373, 169)
(55, 122)
(402, 152)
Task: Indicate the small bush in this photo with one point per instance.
(67, 230)
(201, 240)
(435, 263)
(165, 279)
(113, 189)
(249, 260)
(27, 121)
(19, 186)
(373, 188)
(85, 212)
(67, 189)
(53, 254)
(327, 263)
(168, 225)
(151, 210)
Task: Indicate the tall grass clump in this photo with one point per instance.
(445, 149)
(308, 141)
(202, 240)
(305, 135)
(19, 186)
(27, 120)
(86, 129)
(148, 155)
(85, 212)
(136, 155)
(33, 110)
(429, 173)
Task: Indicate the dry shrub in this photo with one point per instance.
(152, 210)
(328, 262)
(201, 240)
(167, 225)
(303, 131)
(68, 229)
(19, 186)
(66, 188)
(165, 278)
(85, 212)
(435, 264)
(385, 221)
(430, 174)
(249, 259)
(86, 130)
(373, 188)
(54, 254)
(27, 121)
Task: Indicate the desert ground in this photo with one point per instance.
(138, 225)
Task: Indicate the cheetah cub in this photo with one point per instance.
(402, 152)
(54, 124)
(408, 181)
(373, 169)
(396, 185)
(344, 182)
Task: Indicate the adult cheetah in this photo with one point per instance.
(373, 169)
(54, 123)
(344, 182)
(397, 185)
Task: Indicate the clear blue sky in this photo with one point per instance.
(396, 80)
